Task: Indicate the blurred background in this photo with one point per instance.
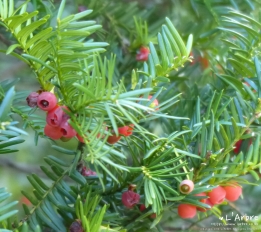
(189, 16)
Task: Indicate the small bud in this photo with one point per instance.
(143, 54)
(88, 172)
(76, 226)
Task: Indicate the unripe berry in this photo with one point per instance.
(233, 192)
(130, 198)
(67, 130)
(217, 195)
(126, 130)
(46, 101)
(56, 116)
(52, 132)
(186, 186)
(32, 99)
(187, 211)
(143, 54)
(113, 139)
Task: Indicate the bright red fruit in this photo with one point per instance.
(46, 101)
(67, 130)
(130, 198)
(186, 186)
(113, 139)
(202, 200)
(56, 116)
(126, 130)
(143, 54)
(233, 192)
(187, 211)
(52, 132)
(217, 195)
(32, 99)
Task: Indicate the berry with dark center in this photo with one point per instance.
(67, 130)
(233, 192)
(56, 116)
(143, 54)
(187, 211)
(217, 195)
(52, 132)
(32, 99)
(113, 139)
(126, 130)
(46, 101)
(130, 198)
(186, 186)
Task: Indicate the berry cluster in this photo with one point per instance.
(57, 126)
(231, 192)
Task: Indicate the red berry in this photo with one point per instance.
(126, 130)
(67, 130)
(113, 139)
(32, 99)
(186, 186)
(142, 207)
(187, 211)
(217, 195)
(52, 132)
(56, 116)
(233, 192)
(88, 172)
(204, 200)
(130, 198)
(153, 215)
(46, 101)
(143, 54)
(154, 103)
(237, 146)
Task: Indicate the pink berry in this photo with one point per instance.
(233, 192)
(143, 54)
(126, 130)
(56, 116)
(130, 198)
(88, 172)
(32, 99)
(187, 211)
(186, 186)
(113, 139)
(52, 132)
(154, 103)
(217, 195)
(46, 101)
(67, 130)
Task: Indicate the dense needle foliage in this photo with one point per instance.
(165, 100)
